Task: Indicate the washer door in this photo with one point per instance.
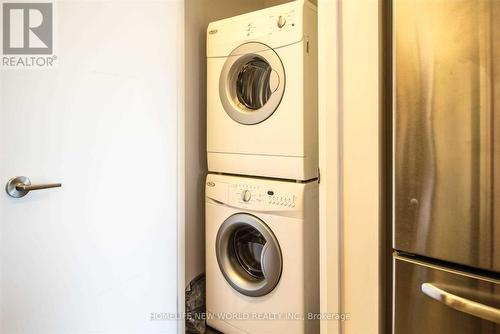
(252, 83)
(249, 255)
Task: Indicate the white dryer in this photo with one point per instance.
(262, 114)
(262, 257)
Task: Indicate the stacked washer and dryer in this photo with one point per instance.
(262, 254)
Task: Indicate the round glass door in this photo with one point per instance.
(252, 83)
(248, 255)
(253, 88)
(246, 246)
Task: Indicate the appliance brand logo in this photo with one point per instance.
(212, 32)
(211, 184)
(28, 36)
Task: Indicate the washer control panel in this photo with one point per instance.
(243, 193)
(283, 200)
(246, 196)
(261, 196)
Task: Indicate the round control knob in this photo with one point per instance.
(281, 22)
(246, 195)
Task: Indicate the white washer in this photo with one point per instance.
(262, 265)
(262, 114)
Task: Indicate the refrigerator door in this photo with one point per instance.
(431, 299)
(447, 130)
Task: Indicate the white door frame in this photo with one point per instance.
(349, 152)
(330, 136)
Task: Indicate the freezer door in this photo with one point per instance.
(431, 299)
(447, 130)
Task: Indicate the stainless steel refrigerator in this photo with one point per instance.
(446, 154)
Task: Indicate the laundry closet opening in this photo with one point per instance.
(258, 98)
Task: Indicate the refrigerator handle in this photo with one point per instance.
(461, 304)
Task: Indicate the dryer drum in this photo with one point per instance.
(252, 83)
(249, 255)
(253, 87)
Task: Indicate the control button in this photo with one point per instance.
(281, 22)
(246, 195)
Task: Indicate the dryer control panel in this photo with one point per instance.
(256, 27)
(274, 26)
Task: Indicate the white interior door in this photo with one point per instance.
(99, 254)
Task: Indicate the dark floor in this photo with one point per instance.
(210, 331)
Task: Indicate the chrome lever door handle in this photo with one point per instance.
(461, 304)
(21, 185)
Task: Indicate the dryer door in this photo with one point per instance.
(252, 83)
(248, 254)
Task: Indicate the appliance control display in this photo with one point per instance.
(269, 25)
(257, 196)
(251, 28)
(281, 21)
(246, 195)
(282, 200)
